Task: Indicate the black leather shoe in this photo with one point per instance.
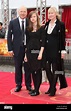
(29, 89)
(35, 94)
(18, 88)
(32, 91)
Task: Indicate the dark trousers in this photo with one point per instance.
(18, 60)
(37, 79)
(28, 78)
(52, 77)
(62, 78)
(63, 82)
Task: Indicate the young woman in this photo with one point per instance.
(54, 50)
(34, 51)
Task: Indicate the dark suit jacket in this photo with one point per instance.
(14, 36)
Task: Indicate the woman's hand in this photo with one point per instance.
(25, 58)
(40, 53)
(63, 54)
(39, 56)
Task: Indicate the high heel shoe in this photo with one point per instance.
(48, 92)
(52, 93)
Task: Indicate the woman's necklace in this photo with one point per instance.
(50, 28)
(34, 28)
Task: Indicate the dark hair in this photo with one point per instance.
(1, 23)
(30, 27)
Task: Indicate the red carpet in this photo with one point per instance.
(8, 96)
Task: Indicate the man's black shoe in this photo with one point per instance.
(35, 94)
(18, 88)
(32, 91)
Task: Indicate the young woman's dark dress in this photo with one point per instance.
(36, 40)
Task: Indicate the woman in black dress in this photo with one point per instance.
(34, 51)
(54, 51)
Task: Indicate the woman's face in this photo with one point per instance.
(33, 18)
(51, 14)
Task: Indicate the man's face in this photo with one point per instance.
(22, 12)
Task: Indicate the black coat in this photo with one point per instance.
(55, 42)
(60, 29)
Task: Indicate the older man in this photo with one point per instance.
(16, 40)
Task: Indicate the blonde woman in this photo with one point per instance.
(54, 51)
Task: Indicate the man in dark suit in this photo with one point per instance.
(16, 40)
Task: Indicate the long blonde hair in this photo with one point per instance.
(58, 16)
(30, 27)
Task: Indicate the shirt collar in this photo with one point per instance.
(21, 19)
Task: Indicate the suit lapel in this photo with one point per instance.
(26, 22)
(18, 24)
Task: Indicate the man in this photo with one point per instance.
(16, 40)
(2, 31)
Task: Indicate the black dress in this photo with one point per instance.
(36, 40)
